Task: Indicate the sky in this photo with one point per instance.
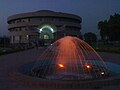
(91, 11)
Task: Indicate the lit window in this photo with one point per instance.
(27, 37)
(46, 36)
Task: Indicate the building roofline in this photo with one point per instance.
(43, 13)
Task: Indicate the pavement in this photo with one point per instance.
(10, 62)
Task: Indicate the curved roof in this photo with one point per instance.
(43, 13)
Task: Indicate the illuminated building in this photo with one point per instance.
(42, 26)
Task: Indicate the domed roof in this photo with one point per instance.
(44, 11)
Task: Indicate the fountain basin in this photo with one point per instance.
(22, 75)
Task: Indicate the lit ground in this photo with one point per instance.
(11, 62)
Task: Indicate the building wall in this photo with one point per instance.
(25, 27)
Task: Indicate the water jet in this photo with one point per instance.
(70, 58)
(70, 63)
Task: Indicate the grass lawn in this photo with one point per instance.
(107, 48)
(7, 50)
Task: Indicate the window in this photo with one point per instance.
(18, 20)
(17, 38)
(27, 37)
(24, 28)
(46, 36)
(25, 20)
(48, 19)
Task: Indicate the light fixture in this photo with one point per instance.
(61, 65)
(88, 66)
(102, 73)
(46, 26)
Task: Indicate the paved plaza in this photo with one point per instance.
(11, 62)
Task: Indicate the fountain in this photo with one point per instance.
(69, 63)
(70, 58)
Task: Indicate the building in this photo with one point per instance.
(44, 26)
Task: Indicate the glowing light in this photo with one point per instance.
(27, 37)
(70, 57)
(102, 73)
(88, 66)
(47, 26)
(61, 65)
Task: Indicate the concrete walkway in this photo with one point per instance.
(110, 57)
(10, 62)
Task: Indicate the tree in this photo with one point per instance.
(90, 37)
(110, 29)
(4, 41)
(103, 26)
(114, 27)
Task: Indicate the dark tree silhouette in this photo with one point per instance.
(110, 29)
(4, 41)
(90, 37)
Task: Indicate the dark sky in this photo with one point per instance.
(91, 11)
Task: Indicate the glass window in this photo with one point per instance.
(27, 37)
(17, 38)
(46, 36)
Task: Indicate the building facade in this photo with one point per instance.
(42, 26)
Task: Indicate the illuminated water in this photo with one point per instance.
(70, 58)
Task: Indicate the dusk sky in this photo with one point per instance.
(91, 11)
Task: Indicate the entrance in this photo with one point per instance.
(46, 35)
